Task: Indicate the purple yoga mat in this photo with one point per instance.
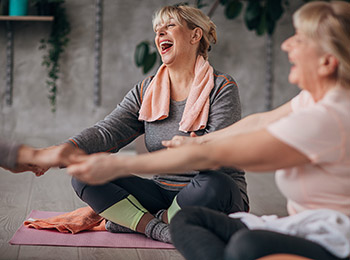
(31, 236)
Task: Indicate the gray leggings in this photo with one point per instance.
(201, 233)
(212, 189)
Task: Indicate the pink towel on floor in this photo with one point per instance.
(49, 237)
(76, 221)
(155, 105)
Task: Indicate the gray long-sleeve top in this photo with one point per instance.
(122, 126)
(8, 154)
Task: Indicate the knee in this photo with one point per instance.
(217, 185)
(78, 186)
(183, 220)
(208, 189)
(183, 217)
(245, 244)
(188, 217)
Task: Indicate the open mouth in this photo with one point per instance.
(165, 45)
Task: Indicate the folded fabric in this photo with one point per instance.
(329, 228)
(76, 221)
(155, 104)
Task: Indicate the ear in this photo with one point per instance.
(328, 65)
(196, 35)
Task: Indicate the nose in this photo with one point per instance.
(286, 44)
(161, 31)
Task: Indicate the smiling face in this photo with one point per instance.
(306, 57)
(174, 41)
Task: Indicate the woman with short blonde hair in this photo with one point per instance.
(193, 18)
(186, 96)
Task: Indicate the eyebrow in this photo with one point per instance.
(169, 20)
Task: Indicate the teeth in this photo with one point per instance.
(165, 42)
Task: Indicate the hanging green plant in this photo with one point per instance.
(55, 44)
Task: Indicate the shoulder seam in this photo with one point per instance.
(227, 82)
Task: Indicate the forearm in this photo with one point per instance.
(254, 151)
(26, 155)
(177, 160)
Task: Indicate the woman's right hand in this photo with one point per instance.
(56, 156)
(178, 140)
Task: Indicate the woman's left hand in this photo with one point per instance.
(178, 140)
(94, 169)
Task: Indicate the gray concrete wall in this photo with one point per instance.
(238, 52)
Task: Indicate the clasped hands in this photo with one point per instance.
(95, 169)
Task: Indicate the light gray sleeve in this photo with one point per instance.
(8, 154)
(225, 105)
(116, 130)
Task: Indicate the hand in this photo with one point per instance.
(25, 162)
(95, 169)
(57, 156)
(178, 140)
(27, 168)
(40, 160)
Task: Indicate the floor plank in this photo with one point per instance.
(50, 192)
(170, 254)
(15, 190)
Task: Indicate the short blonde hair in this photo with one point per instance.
(329, 25)
(194, 18)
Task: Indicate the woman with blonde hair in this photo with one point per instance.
(185, 96)
(307, 140)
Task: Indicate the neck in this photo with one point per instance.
(181, 78)
(323, 88)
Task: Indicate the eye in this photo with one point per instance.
(171, 25)
(298, 39)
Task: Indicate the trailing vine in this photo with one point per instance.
(55, 46)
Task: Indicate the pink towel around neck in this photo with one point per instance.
(155, 105)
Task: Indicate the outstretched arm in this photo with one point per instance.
(254, 151)
(248, 124)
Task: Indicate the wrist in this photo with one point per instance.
(25, 155)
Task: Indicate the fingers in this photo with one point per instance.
(177, 140)
(193, 134)
(57, 156)
(174, 142)
(83, 172)
(93, 169)
(77, 158)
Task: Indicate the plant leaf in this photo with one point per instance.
(252, 14)
(274, 9)
(270, 24)
(233, 9)
(260, 30)
(149, 62)
(141, 53)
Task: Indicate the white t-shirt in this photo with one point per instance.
(321, 131)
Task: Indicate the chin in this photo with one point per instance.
(292, 79)
(167, 62)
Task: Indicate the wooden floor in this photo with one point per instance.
(21, 193)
